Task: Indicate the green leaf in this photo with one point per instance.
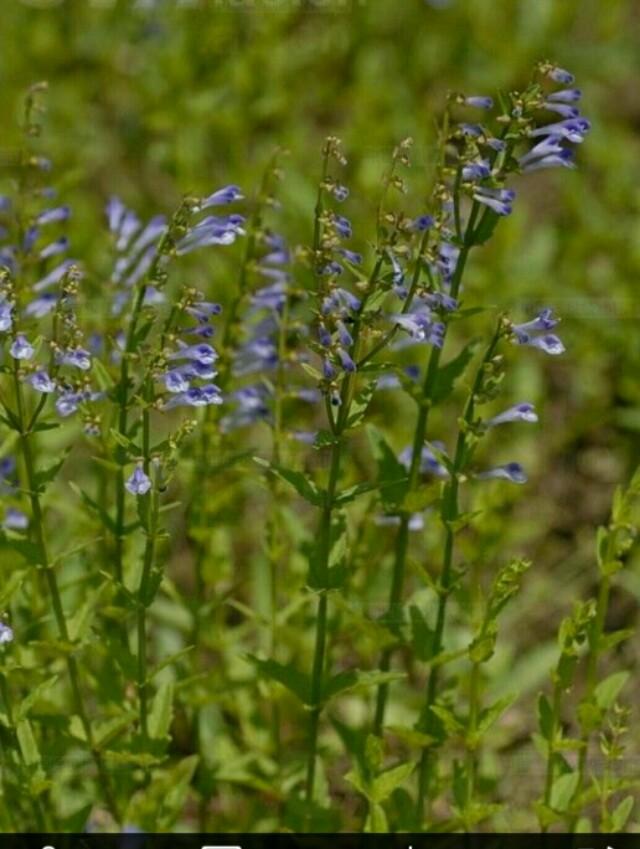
(421, 634)
(41, 427)
(324, 439)
(384, 784)
(392, 475)
(295, 681)
(485, 228)
(493, 713)
(124, 442)
(79, 623)
(29, 550)
(545, 717)
(451, 723)
(46, 476)
(161, 714)
(607, 691)
(27, 743)
(105, 518)
(299, 481)
(108, 730)
(34, 695)
(451, 372)
(614, 638)
(353, 492)
(11, 585)
(313, 373)
(622, 813)
(373, 753)
(360, 405)
(103, 378)
(376, 820)
(355, 680)
(563, 790)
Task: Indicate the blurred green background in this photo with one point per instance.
(153, 99)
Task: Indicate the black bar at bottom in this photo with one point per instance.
(319, 841)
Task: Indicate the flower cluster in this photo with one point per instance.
(48, 287)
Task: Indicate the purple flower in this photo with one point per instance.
(41, 306)
(15, 520)
(203, 310)
(156, 228)
(21, 348)
(567, 95)
(50, 216)
(422, 223)
(518, 413)
(348, 300)
(270, 297)
(306, 437)
(250, 406)
(115, 210)
(343, 226)
(332, 269)
(573, 129)
(343, 335)
(138, 483)
(559, 75)
(68, 402)
(195, 397)
(259, 354)
(213, 230)
(479, 101)
(563, 159)
(351, 256)
(498, 200)
(54, 276)
(419, 324)
(328, 370)
(340, 193)
(510, 472)
(175, 381)
(441, 300)
(472, 130)
(347, 363)
(77, 357)
(41, 382)
(228, 194)
(6, 634)
(128, 227)
(549, 343)
(54, 248)
(202, 353)
(7, 467)
(6, 316)
(416, 521)
(476, 170)
(545, 320)
(563, 109)
(429, 463)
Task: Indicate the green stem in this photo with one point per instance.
(338, 427)
(274, 544)
(123, 409)
(420, 432)
(317, 674)
(121, 452)
(551, 744)
(56, 600)
(38, 811)
(152, 505)
(449, 513)
(472, 722)
(595, 649)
